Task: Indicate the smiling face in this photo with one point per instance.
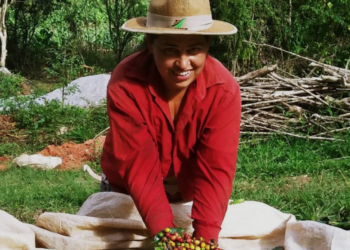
(179, 58)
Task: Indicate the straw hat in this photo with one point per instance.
(179, 17)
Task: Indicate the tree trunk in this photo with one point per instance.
(290, 13)
(3, 34)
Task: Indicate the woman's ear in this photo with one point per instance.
(149, 43)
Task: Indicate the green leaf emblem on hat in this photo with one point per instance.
(178, 24)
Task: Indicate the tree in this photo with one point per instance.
(4, 4)
(23, 23)
(118, 12)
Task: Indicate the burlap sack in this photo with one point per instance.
(111, 221)
(14, 234)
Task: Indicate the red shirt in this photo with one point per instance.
(143, 143)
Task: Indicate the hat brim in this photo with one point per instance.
(138, 24)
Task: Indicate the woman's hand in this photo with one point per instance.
(178, 239)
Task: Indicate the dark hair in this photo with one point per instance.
(153, 37)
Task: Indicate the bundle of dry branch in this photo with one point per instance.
(309, 107)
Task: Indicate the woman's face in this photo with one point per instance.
(179, 58)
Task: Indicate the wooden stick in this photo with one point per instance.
(300, 98)
(270, 114)
(102, 132)
(330, 67)
(260, 72)
(305, 58)
(304, 137)
(296, 85)
(345, 115)
(335, 130)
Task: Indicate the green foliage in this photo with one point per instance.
(9, 148)
(322, 28)
(64, 69)
(10, 85)
(24, 19)
(319, 30)
(118, 12)
(230, 49)
(91, 30)
(41, 123)
(41, 31)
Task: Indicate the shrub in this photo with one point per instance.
(10, 85)
(41, 123)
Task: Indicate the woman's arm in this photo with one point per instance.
(216, 157)
(130, 159)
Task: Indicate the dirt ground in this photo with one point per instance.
(3, 160)
(6, 124)
(8, 131)
(75, 155)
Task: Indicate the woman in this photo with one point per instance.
(174, 119)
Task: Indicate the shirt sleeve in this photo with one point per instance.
(216, 157)
(130, 159)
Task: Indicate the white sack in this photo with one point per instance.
(301, 235)
(85, 91)
(38, 161)
(110, 221)
(14, 234)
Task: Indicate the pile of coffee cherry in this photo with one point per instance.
(178, 239)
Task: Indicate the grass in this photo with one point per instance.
(26, 193)
(272, 172)
(310, 179)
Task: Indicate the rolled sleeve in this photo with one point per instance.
(130, 160)
(216, 157)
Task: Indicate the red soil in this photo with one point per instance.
(3, 160)
(75, 155)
